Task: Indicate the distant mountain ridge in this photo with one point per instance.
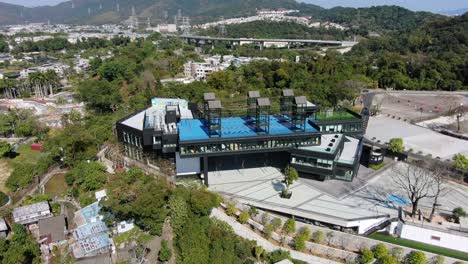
(456, 12)
(107, 11)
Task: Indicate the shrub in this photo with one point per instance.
(253, 211)
(318, 237)
(165, 252)
(265, 218)
(299, 243)
(279, 255)
(367, 256)
(289, 226)
(305, 231)
(397, 253)
(416, 257)
(244, 217)
(268, 230)
(231, 209)
(457, 213)
(380, 251)
(439, 259)
(388, 260)
(276, 223)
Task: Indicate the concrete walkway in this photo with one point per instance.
(247, 233)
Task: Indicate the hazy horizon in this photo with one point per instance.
(416, 5)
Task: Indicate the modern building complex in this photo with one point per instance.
(319, 144)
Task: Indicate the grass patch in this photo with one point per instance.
(421, 246)
(133, 235)
(26, 155)
(377, 167)
(335, 116)
(56, 186)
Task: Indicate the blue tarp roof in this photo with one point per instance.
(88, 230)
(90, 211)
(235, 127)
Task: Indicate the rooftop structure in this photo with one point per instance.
(295, 130)
(31, 213)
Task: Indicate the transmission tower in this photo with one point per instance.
(73, 4)
(118, 7)
(89, 11)
(166, 16)
(148, 22)
(222, 27)
(100, 6)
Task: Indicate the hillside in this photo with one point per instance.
(105, 11)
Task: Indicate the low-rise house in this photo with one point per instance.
(30, 214)
(125, 226)
(52, 230)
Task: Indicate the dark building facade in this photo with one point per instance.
(326, 145)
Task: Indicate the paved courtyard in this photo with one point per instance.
(261, 187)
(414, 137)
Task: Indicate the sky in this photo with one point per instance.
(417, 5)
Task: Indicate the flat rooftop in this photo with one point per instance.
(235, 127)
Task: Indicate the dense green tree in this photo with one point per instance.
(396, 145)
(460, 161)
(20, 248)
(101, 95)
(202, 201)
(89, 175)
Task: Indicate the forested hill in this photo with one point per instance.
(105, 11)
(431, 56)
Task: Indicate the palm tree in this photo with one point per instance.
(52, 80)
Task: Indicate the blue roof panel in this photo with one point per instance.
(235, 127)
